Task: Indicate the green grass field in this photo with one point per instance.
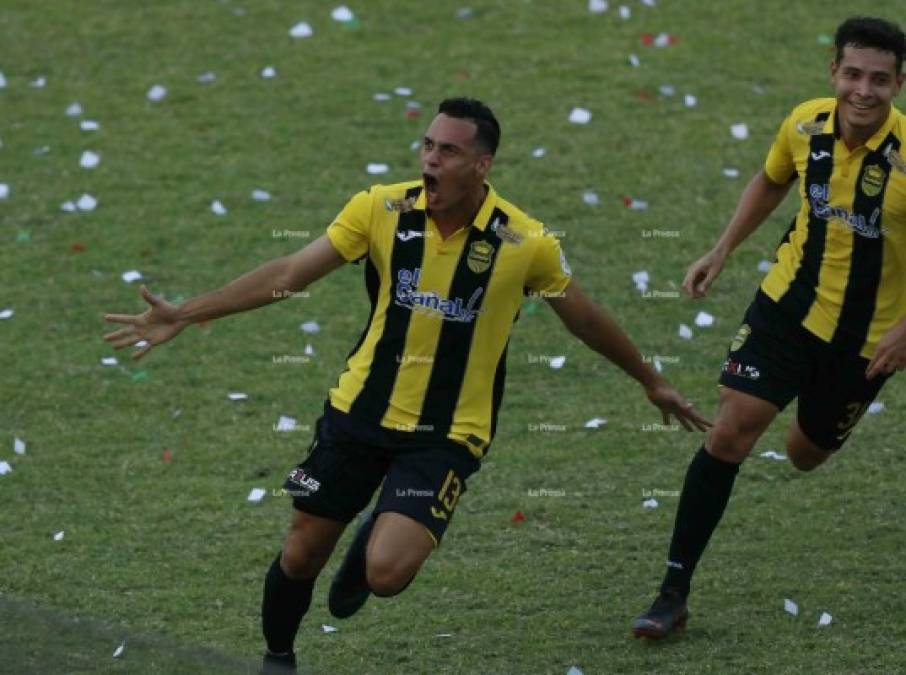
(170, 556)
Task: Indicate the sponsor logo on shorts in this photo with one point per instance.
(741, 370)
(299, 477)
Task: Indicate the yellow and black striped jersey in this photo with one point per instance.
(841, 268)
(432, 358)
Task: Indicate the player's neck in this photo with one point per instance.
(448, 221)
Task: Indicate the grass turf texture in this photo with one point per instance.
(173, 550)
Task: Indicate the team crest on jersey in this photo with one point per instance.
(403, 205)
(741, 336)
(479, 257)
(810, 128)
(873, 180)
(896, 159)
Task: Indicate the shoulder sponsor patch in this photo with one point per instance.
(810, 128)
(896, 159)
(506, 233)
(403, 205)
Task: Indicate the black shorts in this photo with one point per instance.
(776, 359)
(423, 478)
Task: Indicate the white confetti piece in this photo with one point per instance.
(771, 454)
(41, 150)
(328, 629)
(207, 78)
(704, 319)
(580, 116)
(268, 72)
(157, 93)
(765, 266)
(597, 6)
(634, 61)
(18, 446)
(237, 396)
(538, 153)
(2, 81)
(256, 495)
(662, 40)
(731, 172)
(141, 344)
(649, 3)
(74, 109)
(641, 279)
(444, 635)
(825, 619)
(342, 14)
(89, 125)
(285, 423)
(301, 30)
(261, 195)
(4, 191)
(310, 327)
(650, 503)
(658, 366)
(118, 652)
(637, 205)
(574, 670)
(667, 90)
(5, 468)
(403, 91)
(740, 131)
(109, 361)
(7, 313)
(595, 423)
(38, 82)
(68, 206)
(625, 12)
(790, 607)
(131, 275)
(382, 96)
(464, 13)
(87, 203)
(89, 159)
(377, 168)
(217, 208)
(415, 145)
(59, 536)
(685, 332)
(690, 101)
(309, 350)
(875, 407)
(557, 362)
(590, 197)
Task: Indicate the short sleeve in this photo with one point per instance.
(779, 166)
(548, 273)
(350, 231)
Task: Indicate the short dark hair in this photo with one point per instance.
(487, 129)
(865, 31)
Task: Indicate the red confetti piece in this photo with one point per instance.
(647, 39)
(167, 455)
(627, 201)
(518, 517)
(77, 247)
(644, 95)
(412, 113)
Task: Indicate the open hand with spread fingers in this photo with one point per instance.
(671, 402)
(159, 323)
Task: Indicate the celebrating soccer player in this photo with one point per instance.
(827, 325)
(447, 262)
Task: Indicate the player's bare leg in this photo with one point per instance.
(398, 547)
(804, 454)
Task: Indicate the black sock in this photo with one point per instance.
(706, 492)
(285, 603)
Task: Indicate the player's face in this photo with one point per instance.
(454, 164)
(865, 81)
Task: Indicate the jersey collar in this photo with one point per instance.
(831, 126)
(484, 213)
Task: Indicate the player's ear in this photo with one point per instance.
(484, 163)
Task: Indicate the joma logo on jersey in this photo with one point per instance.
(865, 227)
(429, 302)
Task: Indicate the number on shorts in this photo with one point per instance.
(854, 412)
(449, 493)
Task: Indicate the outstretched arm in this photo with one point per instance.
(274, 280)
(591, 324)
(758, 201)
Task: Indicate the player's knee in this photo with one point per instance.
(806, 459)
(729, 441)
(387, 577)
(300, 560)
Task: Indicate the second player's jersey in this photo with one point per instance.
(432, 358)
(841, 269)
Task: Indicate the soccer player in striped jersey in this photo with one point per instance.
(827, 324)
(447, 262)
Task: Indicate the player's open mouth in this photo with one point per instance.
(430, 183)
